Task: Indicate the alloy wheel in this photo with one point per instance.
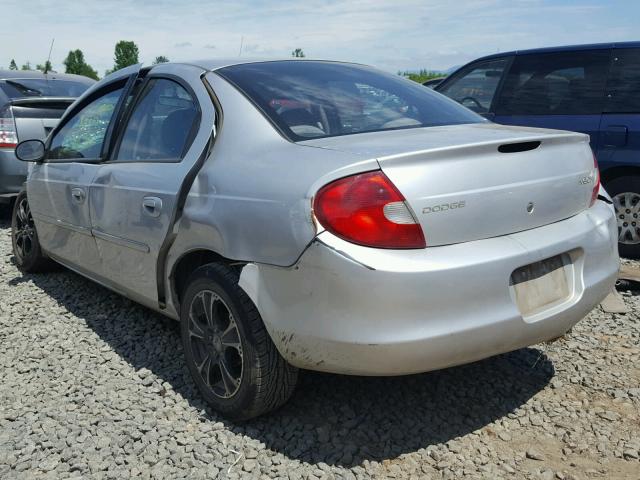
(215, 343)
(627, 205)
(25, 229)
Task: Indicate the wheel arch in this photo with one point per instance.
(187, 263)
(616, 172)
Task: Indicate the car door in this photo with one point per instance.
(58, 188)
(560, 90)
(620, 124)
(475, 85)
(135, 196)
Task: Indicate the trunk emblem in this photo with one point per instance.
(530, 207)
(586, 180)
(444, 207)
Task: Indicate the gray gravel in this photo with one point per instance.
(94, 386)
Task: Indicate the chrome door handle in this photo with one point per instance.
(78, 195)
(152, 206)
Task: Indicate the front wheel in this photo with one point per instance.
(625, 193)
(228, 351)
(24, 239)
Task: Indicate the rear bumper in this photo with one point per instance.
(355, 310)
(13, 173)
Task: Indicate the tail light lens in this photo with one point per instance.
(596, 181)
(8, 134)
(368, 209)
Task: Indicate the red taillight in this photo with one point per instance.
(596, 181)
(368, 209)
(8, 134)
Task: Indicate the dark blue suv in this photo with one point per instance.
(594, 89)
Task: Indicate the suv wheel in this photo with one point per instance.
(228, 351)
(625, 193)
(24, 238)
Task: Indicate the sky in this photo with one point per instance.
(390, 34)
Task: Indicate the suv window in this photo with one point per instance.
(476, 86)
(83, 135)
(624, 82)
(160, 125)
(567, 83)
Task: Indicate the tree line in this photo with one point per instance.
(125, 53)
(422, 76)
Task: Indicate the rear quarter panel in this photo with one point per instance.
(619, 141)
(13, 172)
(251, 201)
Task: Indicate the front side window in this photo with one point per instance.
(84, 134)
(476, 87)
(624, 82)
(160, 125)
(567, 83)
(313, 99)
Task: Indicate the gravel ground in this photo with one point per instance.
(94, 386)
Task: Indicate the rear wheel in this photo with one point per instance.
(625, 193)
(228, 351)
(24, 238)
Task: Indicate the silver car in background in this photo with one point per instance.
(318, 215)
(30, 105)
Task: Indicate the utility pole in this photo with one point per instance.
(241, 41)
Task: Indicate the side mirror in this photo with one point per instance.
(30, 151)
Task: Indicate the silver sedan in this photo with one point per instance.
(317, 215)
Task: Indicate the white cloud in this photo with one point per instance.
(392, 34)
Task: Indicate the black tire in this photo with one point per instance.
(24, 239)
(618, 187)
(264, 381)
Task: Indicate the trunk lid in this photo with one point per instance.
(469, 182)
(35, 117)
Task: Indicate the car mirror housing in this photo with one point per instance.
(30, 151)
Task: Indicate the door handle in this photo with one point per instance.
(152, 206)
(78, 195)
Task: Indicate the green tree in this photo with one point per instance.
(160, 59)
(46, 68)
(74, 63)
(12, 65)
(422, 76)
(298, 53)
(126, 53)
(26, 66)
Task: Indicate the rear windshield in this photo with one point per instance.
(42, 87)
(309, 99)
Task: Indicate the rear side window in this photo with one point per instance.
(476, 86)
(624, 82)
(40, 87)
(160, 126)
(309, 99)
(567, 83)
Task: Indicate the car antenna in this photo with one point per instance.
(46, 65)
(241, 40)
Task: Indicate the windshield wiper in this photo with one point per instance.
(24, 89)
